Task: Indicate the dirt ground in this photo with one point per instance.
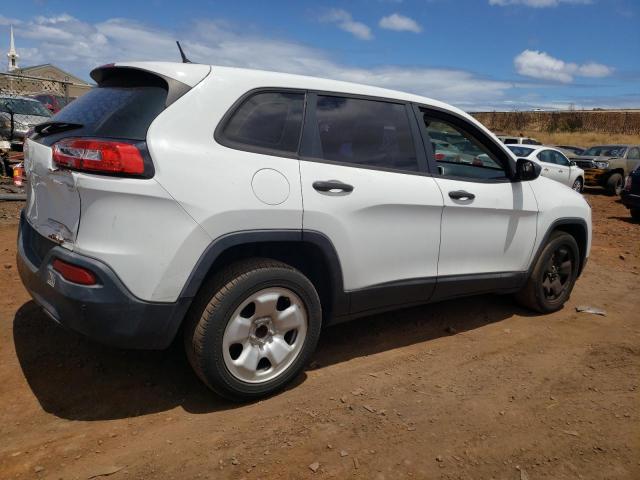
(469, 389)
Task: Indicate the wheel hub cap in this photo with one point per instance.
(264, 335)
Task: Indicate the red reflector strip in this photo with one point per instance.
(98, 156)
(74, 273)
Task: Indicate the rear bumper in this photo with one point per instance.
(630, 200)
(107, 312)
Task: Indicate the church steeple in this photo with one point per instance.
(12, 55)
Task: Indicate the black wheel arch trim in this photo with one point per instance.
(221, 244)
(569, 221)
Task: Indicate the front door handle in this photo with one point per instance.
(461, 195)
(331, 185)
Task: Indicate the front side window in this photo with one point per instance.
(547, 156)
(364, 132)
(463, 155)
(269, 120)
(560, 159)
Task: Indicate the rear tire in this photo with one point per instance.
(553, 275)
(635, 213)
(615, 183)
(253, 328)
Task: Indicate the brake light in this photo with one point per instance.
(106, 156)
(74, 273)
(439, 156)
(627, 183)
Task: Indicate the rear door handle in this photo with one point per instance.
(331, 185)
(461, 195)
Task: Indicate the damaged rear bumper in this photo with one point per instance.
(106, 312)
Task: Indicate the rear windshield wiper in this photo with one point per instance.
(47, 128)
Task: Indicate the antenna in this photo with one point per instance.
(184, 57)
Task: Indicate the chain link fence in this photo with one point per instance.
(26, 101)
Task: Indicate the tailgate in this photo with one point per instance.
(53, 201)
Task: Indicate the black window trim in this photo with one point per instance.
(427, 166)
(465, 125)
(223, 140)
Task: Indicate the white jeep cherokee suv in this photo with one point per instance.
(248, 209)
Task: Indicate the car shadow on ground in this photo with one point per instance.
(77, 379)
(628, 219)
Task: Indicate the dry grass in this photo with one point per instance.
(581, 139)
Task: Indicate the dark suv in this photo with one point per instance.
(631, 193)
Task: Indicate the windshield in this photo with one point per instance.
(23, 107)
(520, 151)
(605, 151)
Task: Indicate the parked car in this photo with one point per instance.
(631, 193)
(307, 202)
(607, 165)
(17, 116)
(575, 150)
(53, 103)
(555, 164)
(509, 140)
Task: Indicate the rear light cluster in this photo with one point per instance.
(74, 273)
(102, 156)
(627, 183)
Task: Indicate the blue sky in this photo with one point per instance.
(476, 54)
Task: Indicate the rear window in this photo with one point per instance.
(364, 132)
(510, 140)
(116, 111)
(269, 121)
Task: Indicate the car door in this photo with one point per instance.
(488, 221)
(563, 167)
(364, 186)
(547, 159)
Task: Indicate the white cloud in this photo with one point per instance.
(538, 3)
(536, 64)
(400, 23)
(79, 46)
(345, 21)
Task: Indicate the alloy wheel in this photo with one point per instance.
(557, 273)
(577, 185)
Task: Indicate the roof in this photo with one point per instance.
(71, 76)
(262, 78)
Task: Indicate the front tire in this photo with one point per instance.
(615, 183)
(578, 185)
(254, 328)
(553, 275)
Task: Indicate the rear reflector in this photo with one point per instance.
(92, 155)
(74, 273)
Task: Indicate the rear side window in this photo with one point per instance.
(116, 111)
(364, 132)
(267, 120)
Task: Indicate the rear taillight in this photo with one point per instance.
(440, 156)
(627, 183)
(74, 273)
(106, 156)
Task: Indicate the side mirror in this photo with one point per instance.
(527, 170)
(572, 163)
